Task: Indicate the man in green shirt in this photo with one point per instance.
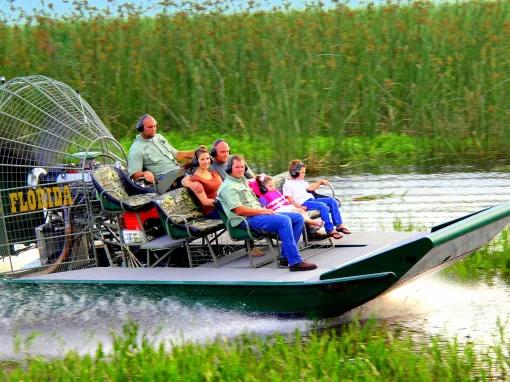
(152, 157)
(237, 199)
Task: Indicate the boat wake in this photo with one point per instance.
(49, 321)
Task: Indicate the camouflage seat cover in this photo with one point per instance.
(179, 207)
(279, 180)
(108, 181)
(183, 219)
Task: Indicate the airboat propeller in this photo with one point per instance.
(49, 138)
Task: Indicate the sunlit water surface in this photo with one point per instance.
(50, 320)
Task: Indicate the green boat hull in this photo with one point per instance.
(336, 290)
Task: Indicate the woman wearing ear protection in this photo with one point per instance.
(299, 193)
(210, 181)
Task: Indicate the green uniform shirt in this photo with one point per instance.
(155, 155)
(235, 193)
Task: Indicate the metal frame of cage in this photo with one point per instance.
(46, 200)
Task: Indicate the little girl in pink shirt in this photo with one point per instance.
(274, 200)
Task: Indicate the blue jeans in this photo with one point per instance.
(288, 225)
(214, 214)
(326, 206)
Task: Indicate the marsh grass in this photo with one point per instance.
(488, 263)
(360, 352)
(397, 84)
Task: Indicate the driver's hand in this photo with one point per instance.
(196, 187)
(149, 177)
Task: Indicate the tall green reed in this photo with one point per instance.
(291, 83)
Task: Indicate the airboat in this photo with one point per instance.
(70, 215)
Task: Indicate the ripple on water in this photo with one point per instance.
(417, 199)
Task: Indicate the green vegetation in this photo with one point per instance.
(360, 352)
(488, 263)
(367, 198)
(396, 84)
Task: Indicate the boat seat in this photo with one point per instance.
(248, 235)
(117, 192)
(278, 181)
(120, 196)
(183, 219)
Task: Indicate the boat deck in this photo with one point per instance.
(345, 250)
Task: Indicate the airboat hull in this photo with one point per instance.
(357, 269)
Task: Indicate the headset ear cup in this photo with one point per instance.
(295, 171)
(213, 151)
(228, 168)
(139, 124)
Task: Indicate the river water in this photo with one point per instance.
(51, 320)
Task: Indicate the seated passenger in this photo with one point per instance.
(210, 181)
(153, 158)
(220, 153)
(238, 199)
(298, 192)
(273, 199)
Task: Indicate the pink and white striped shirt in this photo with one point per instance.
(274, 200)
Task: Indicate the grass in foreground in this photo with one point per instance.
(361, 352)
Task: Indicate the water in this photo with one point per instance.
(418, 200)
(79, 317)
(435, 306)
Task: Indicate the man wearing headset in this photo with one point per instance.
(237, 199)
(220, 153)
(152, 157)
